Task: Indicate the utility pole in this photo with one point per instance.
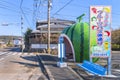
(22, 33)
(48, 16)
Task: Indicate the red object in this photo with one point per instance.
(94, 10)
(93, 27)
(108, 33)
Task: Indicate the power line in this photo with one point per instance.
(15, 6)
(24, 13)
(62, 7)
(38, 11)
(35, 11)
(43, 9)
(10, 9)
(21, 3)
(85, 7)
(15, 9)
(1, 4)
(25, 17)
(10, 15)
(3, 7)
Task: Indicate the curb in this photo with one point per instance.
(50, 74)
(47, 70)
(75, 73)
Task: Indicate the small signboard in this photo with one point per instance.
(61, 53)
(100, 31)
(17, 42)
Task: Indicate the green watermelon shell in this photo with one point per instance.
(79, 36)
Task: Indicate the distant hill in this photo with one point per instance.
(8, 38)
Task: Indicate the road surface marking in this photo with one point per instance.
(116, 70)
(20, 53)
(10, 53)
(25, 53)
(1, 59)
(30, 53)
(14, 53)
(1, 53)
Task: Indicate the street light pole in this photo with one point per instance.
(48, 16)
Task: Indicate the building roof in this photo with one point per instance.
(55, 23)
(36, 31)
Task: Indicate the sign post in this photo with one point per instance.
(61, 53)
(100, 33)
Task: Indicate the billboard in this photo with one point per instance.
(100, 31)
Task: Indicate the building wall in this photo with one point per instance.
(56, 27)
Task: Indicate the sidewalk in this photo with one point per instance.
(20, 67)
(72, 72)
(54, 72)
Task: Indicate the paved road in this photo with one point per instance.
(15, 49)
(17, 66)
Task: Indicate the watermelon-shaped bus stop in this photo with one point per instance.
(76, 40)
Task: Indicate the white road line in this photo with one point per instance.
(1, 59)
(3, 53)
(31, 53)
(116, 70)
(14, 53)
(20, 53)
(25, 53)
(10, 53)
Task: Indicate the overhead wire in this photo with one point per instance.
(14, 5)
(63, 7)
(24, 14)
(43, 9)
(56, 13)
(85, 7)
(36, 11)
(39, 6)
(10, 15)
(35, 5)
(4, 7)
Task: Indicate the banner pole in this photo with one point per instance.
(109, 66)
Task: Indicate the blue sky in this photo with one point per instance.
(10, 12)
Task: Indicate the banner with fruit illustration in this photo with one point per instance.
(100, 31)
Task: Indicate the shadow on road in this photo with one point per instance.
(48, 58)
(34, 59)
(26, 64)
(13, 49)
(30, 58)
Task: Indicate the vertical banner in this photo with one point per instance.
(100, 31)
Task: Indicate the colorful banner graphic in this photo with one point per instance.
(100, 31)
